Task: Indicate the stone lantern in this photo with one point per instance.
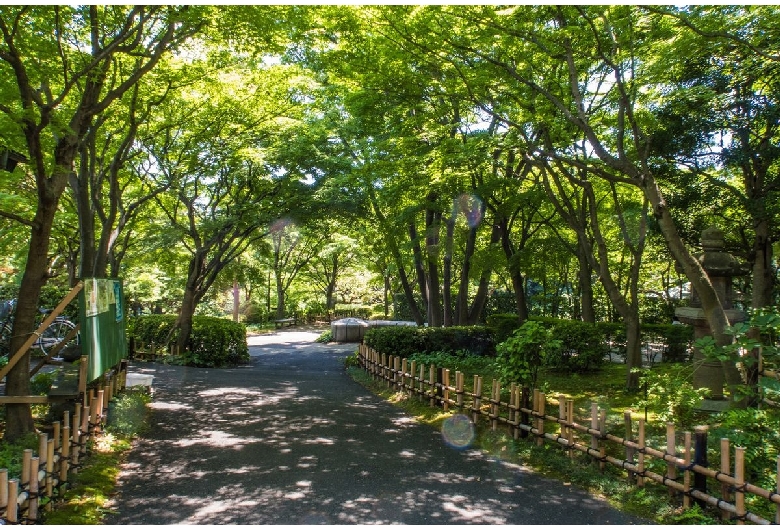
(721, 267)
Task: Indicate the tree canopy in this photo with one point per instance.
(441, 159)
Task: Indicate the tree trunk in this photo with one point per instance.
(281, 303)
(587, 312)
(432, 226)
(447, 273)
(236, 300)
(18, 419)
(518, 284)
(480, 299)
(418, 266)
(462, 303)
(184, 322)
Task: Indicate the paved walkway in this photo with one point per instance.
(292, 439)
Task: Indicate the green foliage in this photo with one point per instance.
(759, 332)
(519, 358)
(678, 339)
(214, 342)
(460, 360)
(352, 360)
(503, 325)
(582, 347)
(500, 303)
(758, 431)
(127, 413)
(670, 395)
(326, 337)
(11, 454)
(150, 329)
(41, 383)
(405, 341)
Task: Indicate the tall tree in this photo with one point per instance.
(63, 66)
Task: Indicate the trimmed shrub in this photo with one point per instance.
(582, 346)
(214, 342)
(404, 341)
(503, 325)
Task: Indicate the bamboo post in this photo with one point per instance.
(421, 385)
(495, 396)
(432, 382)
(75, 436)
(50, 474)
(687, 472)
(413, 382)
(524, 419)
(640, 479)
(43, 441)
(569, 422)
(594, 425)
(562, 419)
(514, 411)
(739, 484)
(12, 511)
(700, 459)
(94, 410)
(562, 415)
(32, 506)
(56, 434)
(540, 408)
(460, 384)
(397, 375)
(477, 401)
(3, 490)
(82, 381)
(404, 369)
(446, 387)
(86, 418)
(671, 449)
(100, 410)
(725, 468)
(26, 464)
(603, 436)
(64, 458)
(777, 490)
(629, 449)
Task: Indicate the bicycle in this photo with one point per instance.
(54, 334)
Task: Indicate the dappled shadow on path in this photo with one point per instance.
(250, 446)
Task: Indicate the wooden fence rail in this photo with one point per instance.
(525, 414)
(44, 477)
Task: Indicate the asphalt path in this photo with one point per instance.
(291, 439)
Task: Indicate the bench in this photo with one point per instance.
(282, 322)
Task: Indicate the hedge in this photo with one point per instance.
(214, 342)
(677, 339)
(405, 341)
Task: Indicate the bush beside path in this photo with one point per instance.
(292, 439)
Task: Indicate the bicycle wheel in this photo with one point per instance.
(54, 334)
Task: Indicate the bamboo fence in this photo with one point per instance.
(686, 473)
(44, 476)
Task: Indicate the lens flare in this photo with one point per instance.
(458, 431)
(280, 225)
(471, 207)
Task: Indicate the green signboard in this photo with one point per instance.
(103, 323)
